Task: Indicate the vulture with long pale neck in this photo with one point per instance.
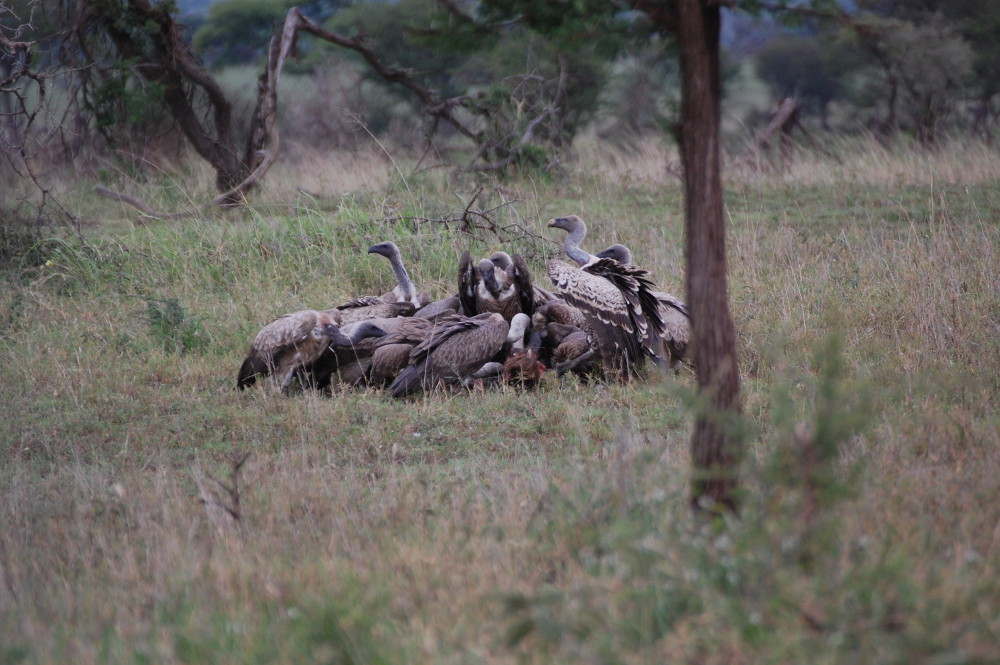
(403, 300)
(616, 300)
(673, 311)
(404, 291)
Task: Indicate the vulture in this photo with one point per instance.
(403, 300)
(442, 307)
(347, 358)
(560, 311)
(616, 300)
(485, 288)
(404, 290)
(288, 344)
(572, 348)
(392, 354)
(674, 313)
(370, 307)
(503, 262)
(457, 347)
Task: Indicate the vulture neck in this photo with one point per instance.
(515, 335)
(406, 291)
(572, 245)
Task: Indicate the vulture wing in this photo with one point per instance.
(454, 350)
(274, 341)
(522, 282)
(468, 282)
(676, 326)
(618, 304)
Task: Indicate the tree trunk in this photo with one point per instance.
(714, 443)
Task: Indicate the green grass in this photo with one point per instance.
(539, 527)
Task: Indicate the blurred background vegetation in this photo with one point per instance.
(527, 77)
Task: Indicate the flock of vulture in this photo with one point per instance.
(603, 316)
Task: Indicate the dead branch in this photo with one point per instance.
(140, 205)
(472, 219)
(784, 120)
(222, 500)
(263, 133)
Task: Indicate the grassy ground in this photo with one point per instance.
(510, 527)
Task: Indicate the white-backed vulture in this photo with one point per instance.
(457, 347)
(290, 343)
(483, 288)
(674, 313)
(404, 291)
(403, 300)
(616, 300)
(504, 262)
(347, 359)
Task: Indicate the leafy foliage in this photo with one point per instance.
(796, 67)
(237, 32)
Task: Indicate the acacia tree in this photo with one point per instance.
(714, 447)
(714, 443)
(696, 25)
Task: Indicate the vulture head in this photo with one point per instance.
(487, 271)
(326, 328)
(357, 332)
(386, 249)
(576, 231)
(619, 253)
(405, 291)
(501, 260)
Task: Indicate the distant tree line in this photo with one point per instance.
(920, 66)
(520, 77)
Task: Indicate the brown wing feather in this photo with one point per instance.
(619, 307)
(388, 361)
(676, 327)
(458, 347)
(605, 309)
(644, 307)
(521, 278)
(468, 281)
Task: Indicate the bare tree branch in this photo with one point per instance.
(139, 204)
